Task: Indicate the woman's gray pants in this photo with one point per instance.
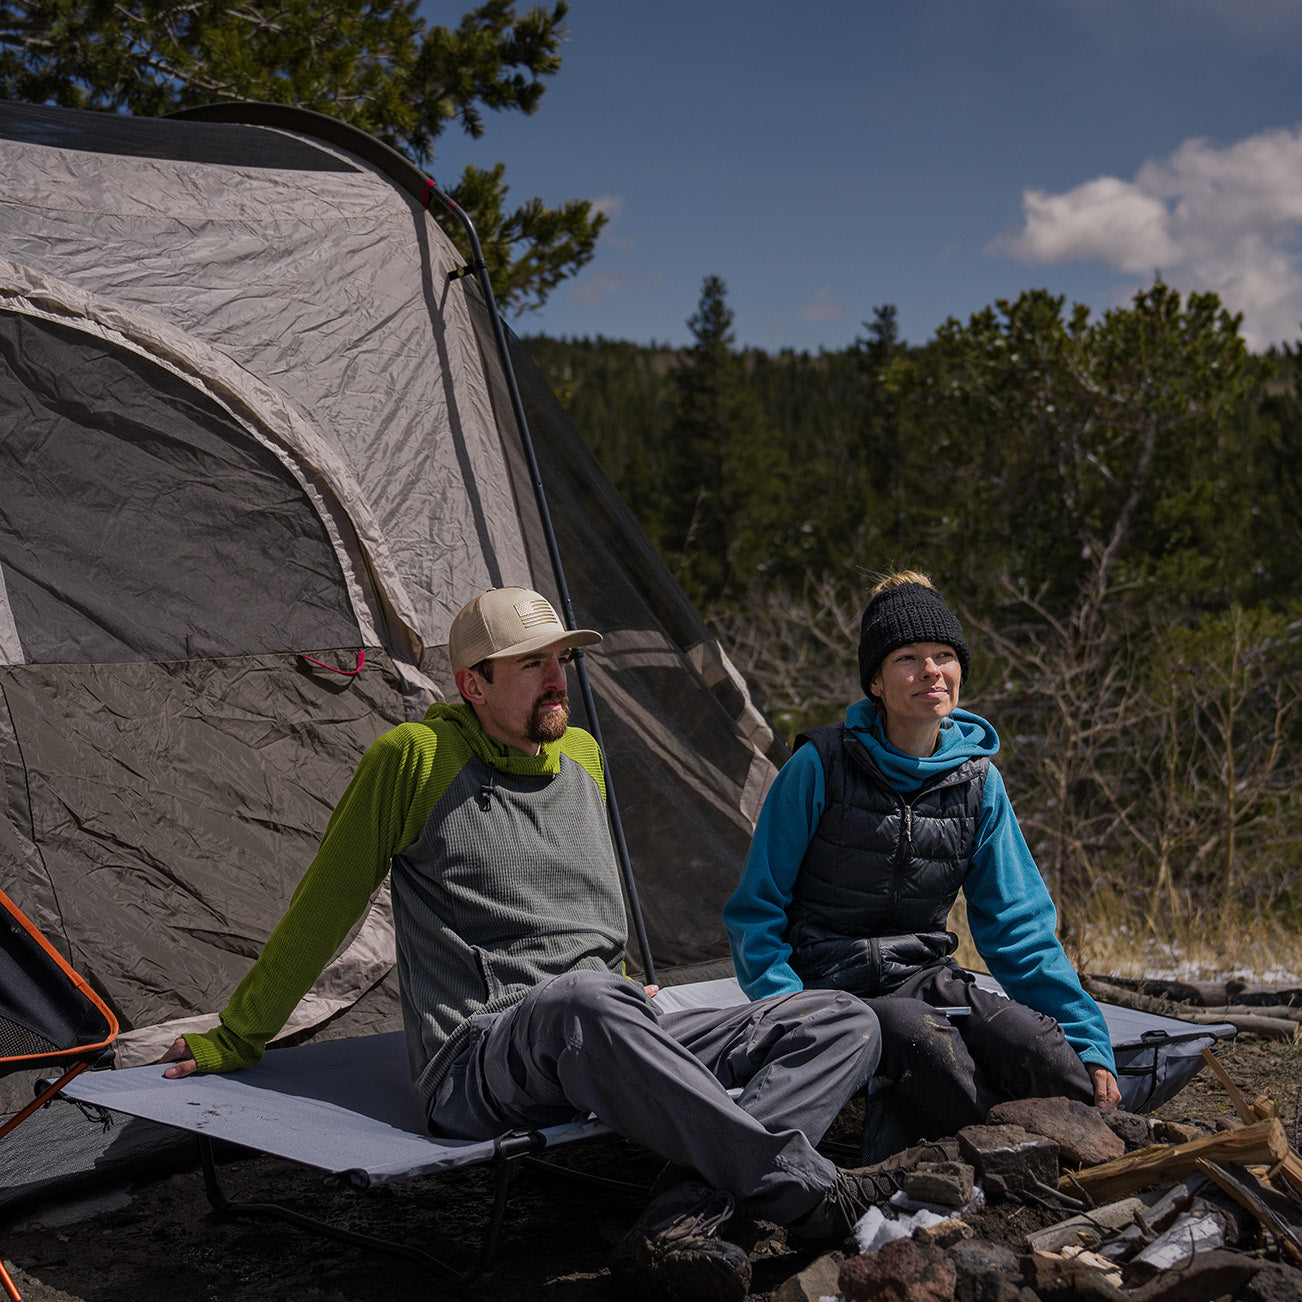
(591, 1041)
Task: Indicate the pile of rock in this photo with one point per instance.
(1190, 1218)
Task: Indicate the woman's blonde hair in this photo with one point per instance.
(895, 580)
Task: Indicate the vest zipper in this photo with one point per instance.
(902, 848)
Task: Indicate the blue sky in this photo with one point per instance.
(829, 156)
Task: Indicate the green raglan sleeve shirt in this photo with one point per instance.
(399, 780)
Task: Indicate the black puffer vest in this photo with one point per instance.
(881, 872)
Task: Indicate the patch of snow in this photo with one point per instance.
(874, 1228)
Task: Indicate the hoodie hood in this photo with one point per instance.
(963, 736)
(504, 758)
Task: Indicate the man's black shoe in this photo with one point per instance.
(674, 1249)
(857, 1189)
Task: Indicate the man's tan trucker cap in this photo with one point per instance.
(509, 622)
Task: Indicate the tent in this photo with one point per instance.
(257, 447)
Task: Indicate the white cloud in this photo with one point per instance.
(1227, 219)
(609, 205)
(823, 307)
(1106, 220)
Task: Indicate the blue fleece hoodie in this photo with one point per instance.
(1009, 912)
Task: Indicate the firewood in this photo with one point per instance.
(1241, 1104)
(1268, 1206)
(1290, 1171)
(1261, 1142)
(1264, 1106)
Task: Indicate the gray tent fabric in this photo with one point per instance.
(256, 451)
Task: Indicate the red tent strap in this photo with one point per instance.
(347, 673)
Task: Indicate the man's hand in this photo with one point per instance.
(651, 991)
(182, 1060)
(1106, 1092)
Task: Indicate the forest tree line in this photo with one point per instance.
(1114, 505)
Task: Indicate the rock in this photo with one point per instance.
(1211, 1275)
(1274, 1282)
(1174, 1132)
(1133, 1131)
(818, 1280)
(945, 1184)
(944, 1234)
(902, 1271)
(1010, 1159)
(987, 1272)
(1083, 1137)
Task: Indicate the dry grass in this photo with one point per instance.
(1263, 951)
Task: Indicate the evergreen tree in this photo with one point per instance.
(722, 463)
(372, 63)
(1062, 452)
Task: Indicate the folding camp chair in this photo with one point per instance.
(49, 1017)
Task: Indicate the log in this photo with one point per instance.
(1276, 1012)
(1264, 1106)
(1112, 993)
(1241, 1104)
(1244, 1017)
(1269, 1207)
(1087, 1229)
(1211, 994)
(1263, 1142)
(1184, 992)
(1269, 1028)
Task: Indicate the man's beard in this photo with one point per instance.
(549, 725)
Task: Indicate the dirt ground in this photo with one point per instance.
(161, 1241)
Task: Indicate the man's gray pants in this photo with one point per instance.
(591, 1041)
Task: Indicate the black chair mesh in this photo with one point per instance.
(20, 1041)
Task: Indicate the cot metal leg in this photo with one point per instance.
(509, 1152)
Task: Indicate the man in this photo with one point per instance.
(510, 930)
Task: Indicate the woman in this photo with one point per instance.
(866, 837)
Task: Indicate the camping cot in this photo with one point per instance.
(348, 1109)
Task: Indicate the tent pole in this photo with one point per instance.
(480, 268)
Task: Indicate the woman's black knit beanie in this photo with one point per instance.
(909, 612)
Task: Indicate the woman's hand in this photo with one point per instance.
(1106, 1092)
